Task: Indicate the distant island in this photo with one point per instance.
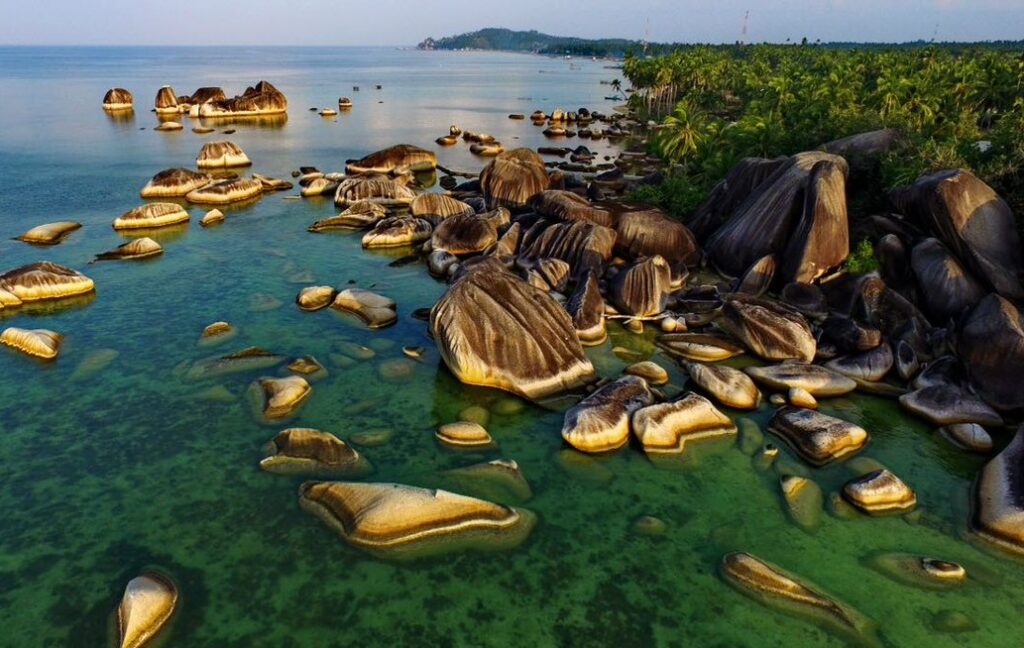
(507, 40)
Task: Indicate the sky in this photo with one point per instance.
(394, 22)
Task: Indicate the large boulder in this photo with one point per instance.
(600, 422)
(42, 280)
(436, 207)
(377, 189)
(771, 331)
(820, 239)
(512, 178)
(166, 102)
(666, 428)
(464, 234)
(947, 288)
(398, 521)
(973, 221)
(393, 157)
(586, 307)
(991, 346)
(949, 405)
(219, 155)
(649, 232)
(583, 245)
(565, 205)
(730, 193)
(999, 510)
(642, 288)
(494, 329)
(730, 387)
(261, 99)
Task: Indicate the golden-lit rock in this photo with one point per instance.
(769, 330)
(730, 387)
(140, 248)
(314, 298)
(815, 379)
(512, 178)
(40, 343)
(281, 397)
(650, 371)
(968, 436)
(146, 607)
(212, 217)
(919, 571)
(118, 99)
(398, 521)
(463, 234)
(436, 207)
(305, 451)
(700, 347)
(800, 397)
(221, 155)
(261, 99)
(568, 206)
(378, 189)
(217, 333)
(464, 435)
(391, 158)
(818, 438)
(43, 280)
(308, 367)
(397, 231)
(500, 479)
(359, 216)
(666, 428)
(166, 102)
(804, 501)
(879, 493)
(999, 507)
(377, 311)
(50, 233)
(319, 187)
(169, 126)
(174, 183)
(152, 215)
(225, 192)
(600, 422)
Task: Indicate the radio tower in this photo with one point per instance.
(743, 34)
(647, 34)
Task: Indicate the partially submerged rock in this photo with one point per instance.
(804, 501)
(919, 571)
(166, 102)
(212, 217)
(701, 347)
(436, 207)
(397, 521)
(249, 359)
(174, 183)
(818, 438)
(948, 405)
(465, 435)
(225, 192)
(312, 298)
(879, 493)
(305, 451)
(43, 280)
(261, 99)
(50, 233)
(140, 248)
(151, 215)
(40, 343)
(769, 330)
(666, 428)
(817, 380)
(221, 155)
(496, 330)
(999, 507)
(146, 607)
(500, 479)
(730, 387)
(393, 157)
(600, 422)
(118, 99)
(217, 333)
(377, 311)
(397, 231)
(280, 397)
(358, 216)
(870, 365)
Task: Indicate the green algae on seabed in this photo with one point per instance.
(133, 467)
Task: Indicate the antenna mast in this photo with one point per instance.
(647, 34)
(743, 34)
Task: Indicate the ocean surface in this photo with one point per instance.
(112, 466)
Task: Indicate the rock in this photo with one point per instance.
(586, 306)
(397, 521)
(848, 335)
(666, 428)
(441, 263)
(600, 422)
(169, 126)
(212, 217)
(377, 311)
(586, 247)
(700, 347)
(436, 207)
(166, 102)
(819, 439)
(567, 206)
(475, 414)
(95, 362)
(799, 397)
(967, 436)
(261, 99)
(972, 221)
(946, 287)
(42, 280)
(207, 93)
(769, 330)
(319, 187)
(549, 275)
(651, 232)
(919, 571)
(494, 329)
(50, 233)
(809, 299)
(999, 507)
(906, 360)
(648, 525)
(750, 436)
(464, 435)
(652, 372)
(217, 333)
(870, 365)
(358, 216)
(885, 309)
(820, 239)
(730, 387)
(40, 343)
(952, 621)
(642, 288)
(272, 184)
(280, 397)
(393, 157)
(991, 347)
(397, 231)
(815, 379)
(308, 367)
(758, 277)
(305, 451)
(804, 501)
(777, 589)
(948, 405)
(146, 606)
(226, 191)
(118, 99)
(500, 479)
(942, 371)
(151, 215)
(778, 400)
(220, 155)
(512, 178)
(396, 369)
(313, 298)
(880, 492)
(140, 248)
(373, 438)
(464, 234)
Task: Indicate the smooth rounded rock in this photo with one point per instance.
(151, 215)
(769, 330)
(666, 428)
(397, 231)
(699, 346)
(650, 371)
(140, 248)
(41, 281)
(50, 233)
(221, 155)
(999, 503)
(40, 343)
(313, 298)
(815, 379)
(224, 192)
(377, 311)
(305, 451)
(919, 571)
(146, 606)
(601, 421)
(212, 217)
(280, 397)
(818, 438)
(880, 493)
(730, 387)
(799, 397)
(464, 435)
(949, 405)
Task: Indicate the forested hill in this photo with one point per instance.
(533, 41)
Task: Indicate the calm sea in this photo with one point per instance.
(112, 461)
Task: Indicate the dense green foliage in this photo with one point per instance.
(862, 259)
(538, 43)
(720, 104)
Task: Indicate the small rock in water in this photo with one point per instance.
(216, 394)
(376, 311)
(952, 621)
(94, 363)
(919, 571)
(212, 217)
(169, 126)
(819, 439)
(508, 406)
(648, 525)
(146, 606)
(880, 493)
(354, 350)
(279, 398)
(804, 501)
(217, 333)
(396, 369)
(307, 367)
(799, 397)
(766, 456)
(840, 508)
(475, 414)
(40, 343)
(778, 400)
(313, 298)
(262, 302)
(372, 438)
(465, 436)
(414, 352)
(652, 372)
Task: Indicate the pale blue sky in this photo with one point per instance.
(394, 22)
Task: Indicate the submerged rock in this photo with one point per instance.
(779, 590)
(217, 333)
(225, 192)
(700, 347)
(393, 157)
(40, 343)
(50, 233)
(879, 493)
(42, 280)
(666, 428)
(730, 387)
(496, 330)
(919, 571)
(397, 231)
(465, 435)
(140, 248)
(249, 359)
(220, 155)
(377, 311)
(818, 438)
(804, 501)
(999, 507)
(600, 422)
(948, 405)
(94, 363)
(280, 397)
(146, 607)
(815, 379)
(319, 187)
(769, 330)
(397, 521)
(305, 451)
(151, 215)
(501, 479)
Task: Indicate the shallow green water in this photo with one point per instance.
(106, 474)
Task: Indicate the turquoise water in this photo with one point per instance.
(110, 471)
